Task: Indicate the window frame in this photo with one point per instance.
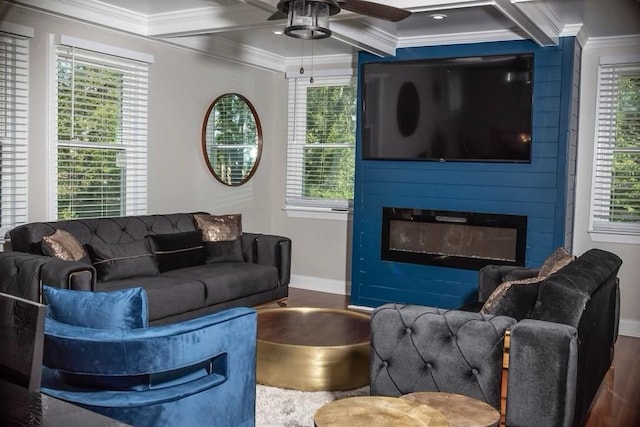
(134, 193)
(295, 204)
(604, 140)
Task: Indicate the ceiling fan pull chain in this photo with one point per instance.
(301, 56)
(312, 73)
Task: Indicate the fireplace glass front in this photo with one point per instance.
(467, 240)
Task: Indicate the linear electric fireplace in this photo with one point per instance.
(467, 240)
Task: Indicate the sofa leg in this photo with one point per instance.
(505, 375)
(282, 302)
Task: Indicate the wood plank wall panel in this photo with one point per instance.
(537, 190)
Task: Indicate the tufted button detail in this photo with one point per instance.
(385, 363)
(429, 365)
(408, 330)
(474, 371)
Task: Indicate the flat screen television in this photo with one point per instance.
(451, 109)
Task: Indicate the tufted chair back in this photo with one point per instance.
(416, 348)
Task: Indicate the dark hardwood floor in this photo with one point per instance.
(618, 401)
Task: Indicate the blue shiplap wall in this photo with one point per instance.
(537, 190)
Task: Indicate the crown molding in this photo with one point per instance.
(94, 12)
(632, 40)
(459, 38)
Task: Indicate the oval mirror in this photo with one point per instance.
(232, 139)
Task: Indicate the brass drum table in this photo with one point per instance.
(378, 411)
(313, 349)
(461, 411)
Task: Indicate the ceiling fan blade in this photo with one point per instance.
(278, 15)
(375, 10)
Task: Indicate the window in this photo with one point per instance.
(321, 144)
(14, 97)
(615, 204)
(101, 134)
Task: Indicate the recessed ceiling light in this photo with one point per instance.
(438, 16)
(278, 32)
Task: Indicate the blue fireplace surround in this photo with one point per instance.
(540, 190)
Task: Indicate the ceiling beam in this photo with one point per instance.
(525, 14)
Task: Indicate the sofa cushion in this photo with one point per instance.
(123, 260)
(62, 244)
(178, 250)
(167, 296)
(222, 236)
(123, 309)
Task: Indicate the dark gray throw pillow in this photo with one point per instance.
(121, 261)
(178, 250)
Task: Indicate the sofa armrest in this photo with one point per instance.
(491, 276)
(543, 366)
(268, 249)
(22, 274)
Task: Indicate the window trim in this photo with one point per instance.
(601, 231)
(310, 209)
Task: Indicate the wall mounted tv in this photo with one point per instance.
(453, 109)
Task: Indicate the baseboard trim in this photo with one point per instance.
(630, 328)
(320, 284)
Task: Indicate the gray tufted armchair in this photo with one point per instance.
(416, 348)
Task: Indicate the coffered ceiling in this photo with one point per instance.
(239, 29)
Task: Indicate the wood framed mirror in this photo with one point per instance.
(232, 139)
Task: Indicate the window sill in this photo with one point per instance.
(318, 213)
(612, 237)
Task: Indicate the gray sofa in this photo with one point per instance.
(260, 275)
(561, 344)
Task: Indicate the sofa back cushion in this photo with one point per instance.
(99, 231)
(124, 309)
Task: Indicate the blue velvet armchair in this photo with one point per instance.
(194, 373)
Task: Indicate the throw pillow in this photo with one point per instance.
(132, 259)
(222, 236)
(178, 250)
(513, 298)
(123, 309)
(558, 259)
(62, 244)
(517, 298)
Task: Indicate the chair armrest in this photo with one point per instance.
(417, 348)
(268, 249)
(148, 350)
(491, 276)
(22, 274)
(543, 364)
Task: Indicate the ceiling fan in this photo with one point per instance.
(309, 19)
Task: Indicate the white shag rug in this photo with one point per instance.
(279, 407)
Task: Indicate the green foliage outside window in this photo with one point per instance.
(625, 189)
(330, 146)
(90, 178)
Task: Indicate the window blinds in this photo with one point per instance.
(101, 132)
(14, 97)
(321, 143)
(616, 186)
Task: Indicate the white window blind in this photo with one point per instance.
(321, 143)
(101, 134)
(615, 202)
(14, 97)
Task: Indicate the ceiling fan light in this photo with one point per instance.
(309, 19)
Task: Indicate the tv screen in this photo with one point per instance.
(453, 109)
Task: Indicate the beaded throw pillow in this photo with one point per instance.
(222, 236)
(62, 244)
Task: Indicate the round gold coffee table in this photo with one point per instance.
(313, 349)
(378, 411)
(461, 411)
